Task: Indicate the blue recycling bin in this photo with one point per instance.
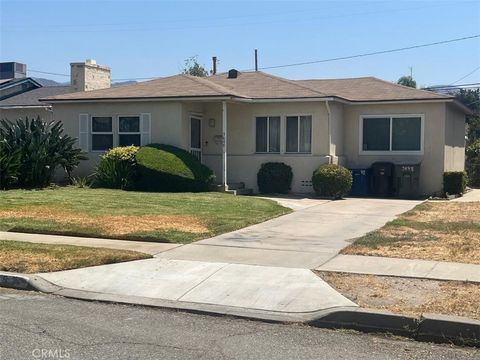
(361, 182)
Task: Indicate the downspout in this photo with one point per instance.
(329, 115)
(224, 146)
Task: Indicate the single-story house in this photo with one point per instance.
(234, 122)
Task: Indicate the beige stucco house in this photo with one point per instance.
(236, 121)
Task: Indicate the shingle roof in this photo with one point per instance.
(167, 87)
(31, 97)
(258, 85)
(369, 89)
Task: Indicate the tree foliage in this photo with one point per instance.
(43, 147)
(407, 81)
(192, 67)
(471, 99)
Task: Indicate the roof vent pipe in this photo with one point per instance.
(233, 74)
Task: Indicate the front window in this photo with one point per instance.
(392, 133)
(129, 131)
(299, 134)
(268, 134)
(102, 133)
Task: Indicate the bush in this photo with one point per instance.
(9, 165)
(274, 177)
(170, 169)
(333, 181)
(473, 163)
(43, 147)
(455, 182)
(117, 168)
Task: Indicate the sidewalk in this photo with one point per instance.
(151, 248)
(281, 293)
(373, 265)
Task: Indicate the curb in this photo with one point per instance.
(429, 327)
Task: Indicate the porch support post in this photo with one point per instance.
(224, 146)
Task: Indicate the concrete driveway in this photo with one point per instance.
(313, 234)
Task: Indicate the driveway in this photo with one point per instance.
(307, 238)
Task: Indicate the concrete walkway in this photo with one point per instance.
(373, 265)
(472, 195)
(151, 248)
(270, 289)
(306, 238)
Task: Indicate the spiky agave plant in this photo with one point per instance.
(43, 146)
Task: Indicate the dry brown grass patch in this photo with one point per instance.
(439, 231)
(27, 257)
(111, 224)
(406, 295)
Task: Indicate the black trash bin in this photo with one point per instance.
(407, 180)
(382, 179)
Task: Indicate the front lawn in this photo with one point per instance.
(162, 217)
(442, 231)
(25, 257)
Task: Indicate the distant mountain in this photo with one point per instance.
(123, 83)
(48, 82)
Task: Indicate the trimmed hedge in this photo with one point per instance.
(333, 181)
(170, 169)
(274, 177)
(117, 168)
(455, 182)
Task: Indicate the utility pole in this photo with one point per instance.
(256, 60)
(411, 71)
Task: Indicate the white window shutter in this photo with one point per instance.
(146, 125)
(83, 132)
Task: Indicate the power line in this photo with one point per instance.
(463, 77)
(316, 61)
(372, 53)
(453, 87)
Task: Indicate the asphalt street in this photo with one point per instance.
(40, 326)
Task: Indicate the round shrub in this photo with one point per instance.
(170, 169)
(333, 181)
(117, 168)
(274, 177)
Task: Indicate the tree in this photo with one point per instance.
(471, 99)
(407, 81)
(192, 67)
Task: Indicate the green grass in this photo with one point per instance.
(219, 213)
(28, 257)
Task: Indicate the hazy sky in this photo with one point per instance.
(152, 38)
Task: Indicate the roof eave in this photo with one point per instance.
(143, 98)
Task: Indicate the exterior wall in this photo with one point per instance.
(242, 162)
(432, 160)
(166, 126)
(454, 140)
(337, 130)
(22, 113)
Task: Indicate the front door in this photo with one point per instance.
(196, 137)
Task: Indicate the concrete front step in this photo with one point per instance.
(233, 188)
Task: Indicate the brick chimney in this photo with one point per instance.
(86, 76)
